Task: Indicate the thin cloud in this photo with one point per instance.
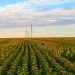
(21, 14)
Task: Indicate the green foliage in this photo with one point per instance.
(37, 57)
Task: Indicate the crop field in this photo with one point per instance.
(37, 56)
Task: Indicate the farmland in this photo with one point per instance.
(37, 56)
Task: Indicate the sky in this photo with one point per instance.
(49, 18)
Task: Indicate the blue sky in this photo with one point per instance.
(70, 4)
(56, 6)
(54, 18)
(6, 2)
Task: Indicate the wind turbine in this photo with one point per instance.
(31, 30)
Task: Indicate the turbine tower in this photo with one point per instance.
(26, 33)
(31, 30)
